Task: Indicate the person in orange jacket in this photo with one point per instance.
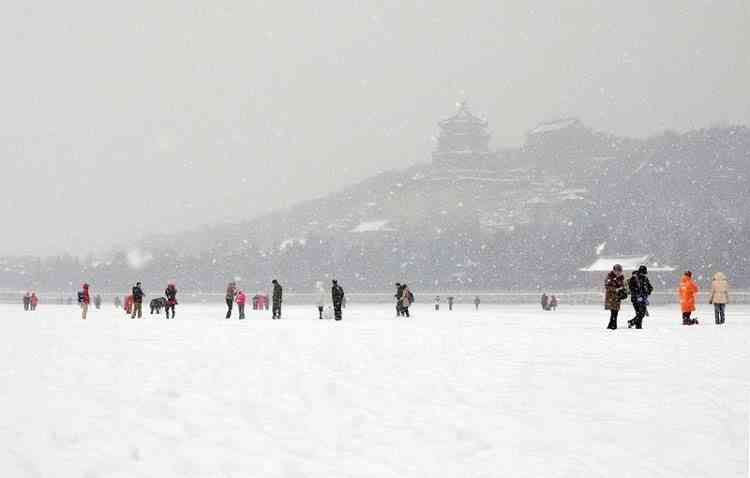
(687, 291)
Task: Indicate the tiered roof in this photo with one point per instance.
(462, 137)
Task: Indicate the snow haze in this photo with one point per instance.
(124, 119)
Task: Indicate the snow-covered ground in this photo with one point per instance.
(508, 391)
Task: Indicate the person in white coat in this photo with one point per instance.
(321, 298)
(719, 296)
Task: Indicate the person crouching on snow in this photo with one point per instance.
(687, 292)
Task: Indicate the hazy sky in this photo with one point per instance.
(119, 118)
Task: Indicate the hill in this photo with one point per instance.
(515, 219)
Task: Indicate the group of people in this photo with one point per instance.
(338, 300)
(234, 295)
(549, 302)
(133, 302)
(450, 299)
(30, 301)
(639, 289)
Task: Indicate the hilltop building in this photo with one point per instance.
(463, 142)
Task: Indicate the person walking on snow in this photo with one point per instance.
(437, 303)
(406, 299)
(476, 303)
(687, 292)
(230, 296)
(450, 302)
(278, 292)
(321, 302)
(84, 299)
(337, 297)
(399, 292)
(545, 301)
(27, 301)
(137, 301)
(614, 294)
(33, 301)
(719, 296)
(640, 289)
(241, 299)
(98, 301)
(171, 294)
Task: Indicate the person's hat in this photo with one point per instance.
(617, 268)
(643, 270)
(274, 281)
(335, 281)
(688, 273)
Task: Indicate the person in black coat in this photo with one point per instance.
(171, 293)
(137, 301)
(399, 292)
(337, 297)
(640, 290)
(277, 297)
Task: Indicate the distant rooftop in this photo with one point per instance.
(555, 125)
(628, 263)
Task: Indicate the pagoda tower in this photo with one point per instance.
(463, 141)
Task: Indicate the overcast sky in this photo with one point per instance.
(119, 118)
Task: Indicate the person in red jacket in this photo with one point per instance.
(241, 299)
(171, 293)
(34, 300)
(84, 299)
(128, 305)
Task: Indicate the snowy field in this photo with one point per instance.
(506, 391)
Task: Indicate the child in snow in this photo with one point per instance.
(128, 304)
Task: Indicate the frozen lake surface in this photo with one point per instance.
(506, 391)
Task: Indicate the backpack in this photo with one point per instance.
(411, 297)
(80, 297)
